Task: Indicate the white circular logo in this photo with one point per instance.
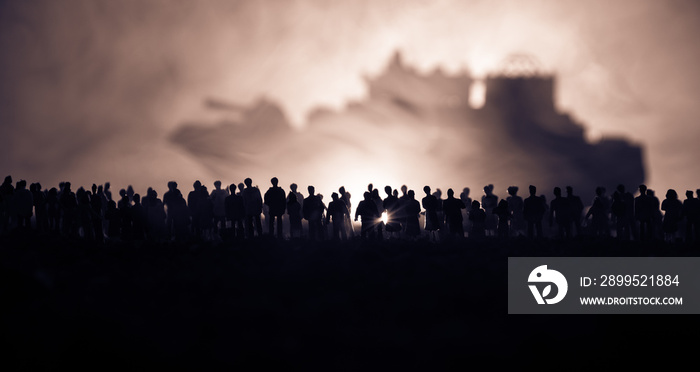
(542, 275)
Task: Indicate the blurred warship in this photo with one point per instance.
(422, 128)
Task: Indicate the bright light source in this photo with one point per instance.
(385, 218)
(477, 94)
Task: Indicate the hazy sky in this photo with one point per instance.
(90, 89)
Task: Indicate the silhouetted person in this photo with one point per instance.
(600, 208)
(672, 208)
(576, 209)
(429, 203)
(629, 230)
(206, 215)
(452, 208)
(276, 201)
(69, 206)
(656, 215)
(169, 199)
(411, 210)
(618, 210)
(477, 216)
(324, 209)
(235, 210)
(24, 204)
(404, 200)
(515, 209)
(107, 191)
(391, 206)
(139, 218)
(300, 196)
(252, 200)
(338, 212)
(181, 217)
(560, 211)
(367, 209)
(440, 212)
(697, 221)
(345, 197)
(218, 197)
(101, 194)
(130, 193)
(691, 213)
(643, 213)
(294, 213)
(97, 216)
(103, 201)
(156, 217)
(467, 200)
(534, 209)
(113, 220)
(312, 211)
(124, 206)
(194, 202)
(489, 201)
(40, 211)
(53, 209)
(6, 193)
(504, 217)
(83, 214)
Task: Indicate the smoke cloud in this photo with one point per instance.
(92, 90)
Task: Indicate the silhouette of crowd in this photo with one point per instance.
(242, 211)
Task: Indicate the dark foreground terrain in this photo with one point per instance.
(266, 304)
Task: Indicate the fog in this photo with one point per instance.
(92, 91)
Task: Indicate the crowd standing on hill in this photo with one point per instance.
(238, 212)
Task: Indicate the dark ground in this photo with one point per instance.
(298, 305)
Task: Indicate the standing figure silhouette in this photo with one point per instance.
(478, 221)
(24, 205)
(345, 197)
(367, 209)
(294, 213)
(53, 209)
(489, 201)
(560, 211)
(452, 208)
(391, 205)
(252, 200)
(618, 212)
(429, 203)
(218, 197)
(576, 209)
(276, 201)
(515, 209)
(411, 211)
(338, 212)
(534, 209)
(673, 212)
(691, 214)
(600, 209)
(504, 218)
(312, 210)
(467, 200)
(643, 213)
